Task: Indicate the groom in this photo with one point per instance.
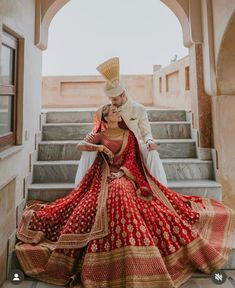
(135, 117)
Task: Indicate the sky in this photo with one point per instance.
(84, 33)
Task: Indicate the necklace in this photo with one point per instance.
(114, 132)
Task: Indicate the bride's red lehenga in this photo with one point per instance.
(130, 232)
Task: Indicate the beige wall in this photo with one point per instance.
(220, 76)
(169, 85)
(7, 222)
(223, 108)
(87, 91)
(15, 163)
(222, 11)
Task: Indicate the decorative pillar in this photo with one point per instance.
(201, 101)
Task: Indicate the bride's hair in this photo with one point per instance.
(105, 112)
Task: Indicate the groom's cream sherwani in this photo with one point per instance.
(136, 118)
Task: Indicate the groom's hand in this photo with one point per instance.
(151, 145)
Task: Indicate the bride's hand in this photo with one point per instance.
(118, 174)
(108, 152)
(114, 175)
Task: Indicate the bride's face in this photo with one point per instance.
(114, 115)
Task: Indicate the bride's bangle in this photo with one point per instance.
(100, 148)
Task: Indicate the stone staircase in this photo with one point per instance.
(55, 169)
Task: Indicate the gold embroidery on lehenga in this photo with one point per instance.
(99, 228)
(144, 258)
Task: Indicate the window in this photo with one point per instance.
(172, 82)
(8, 90)
(160, 84)
(187, 80)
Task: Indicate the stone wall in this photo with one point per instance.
(171, 85)
(87, 91)
(18, 17)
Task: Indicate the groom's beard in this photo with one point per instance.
(119, 106)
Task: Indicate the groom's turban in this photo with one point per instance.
(110, 70)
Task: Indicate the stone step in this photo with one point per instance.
(166, 115)
(176, 169)
(203, 188)
(52, 191)
(49, 192)
(188, 169)
(75, 131)
(66, 150)
(86, 116)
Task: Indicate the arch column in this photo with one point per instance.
(223, 105)
(45, 11)
(201, 101)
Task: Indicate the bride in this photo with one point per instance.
(120, 227)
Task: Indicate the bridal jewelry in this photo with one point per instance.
(100, 148)
(114, 132)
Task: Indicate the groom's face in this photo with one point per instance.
(118, 100)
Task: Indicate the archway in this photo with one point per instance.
(47, 9)
(188, 13)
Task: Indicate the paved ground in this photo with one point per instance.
(196, 282)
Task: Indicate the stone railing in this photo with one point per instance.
(171, 85)
(87, 91)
